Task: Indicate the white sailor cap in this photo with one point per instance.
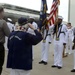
(60, 17)
(9, 19)
(31, 17)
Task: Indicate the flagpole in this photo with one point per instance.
(57, 24)
(43, 16)
(57, 29)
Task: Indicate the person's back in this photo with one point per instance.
(20, 49)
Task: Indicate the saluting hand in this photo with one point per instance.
(31, 26)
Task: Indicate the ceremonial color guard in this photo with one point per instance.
(60, 40)
(47, 39)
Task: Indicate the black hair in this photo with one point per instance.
(69, 23)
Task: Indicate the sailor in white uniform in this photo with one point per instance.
(45, 46)
(60, 41)
(32, 21)
(70, 39)
(11, 27)
(35, 25)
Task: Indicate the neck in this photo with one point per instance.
(59, 23)
(20, 28)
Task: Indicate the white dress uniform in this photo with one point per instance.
(11, 27)
(45, 46)
(58, 45)
(70, 41)
(32, 32)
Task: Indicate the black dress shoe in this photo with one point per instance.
(59, 67)
(45, 63)
(53, 66)
(73, 70)
(41, 62)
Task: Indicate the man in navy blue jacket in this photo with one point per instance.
(20, 48)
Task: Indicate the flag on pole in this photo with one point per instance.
(43, 13)
(54, 12)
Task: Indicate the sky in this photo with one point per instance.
(36, 5)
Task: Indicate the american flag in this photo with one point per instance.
(54, 11)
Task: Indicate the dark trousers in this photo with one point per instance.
(2, 55)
